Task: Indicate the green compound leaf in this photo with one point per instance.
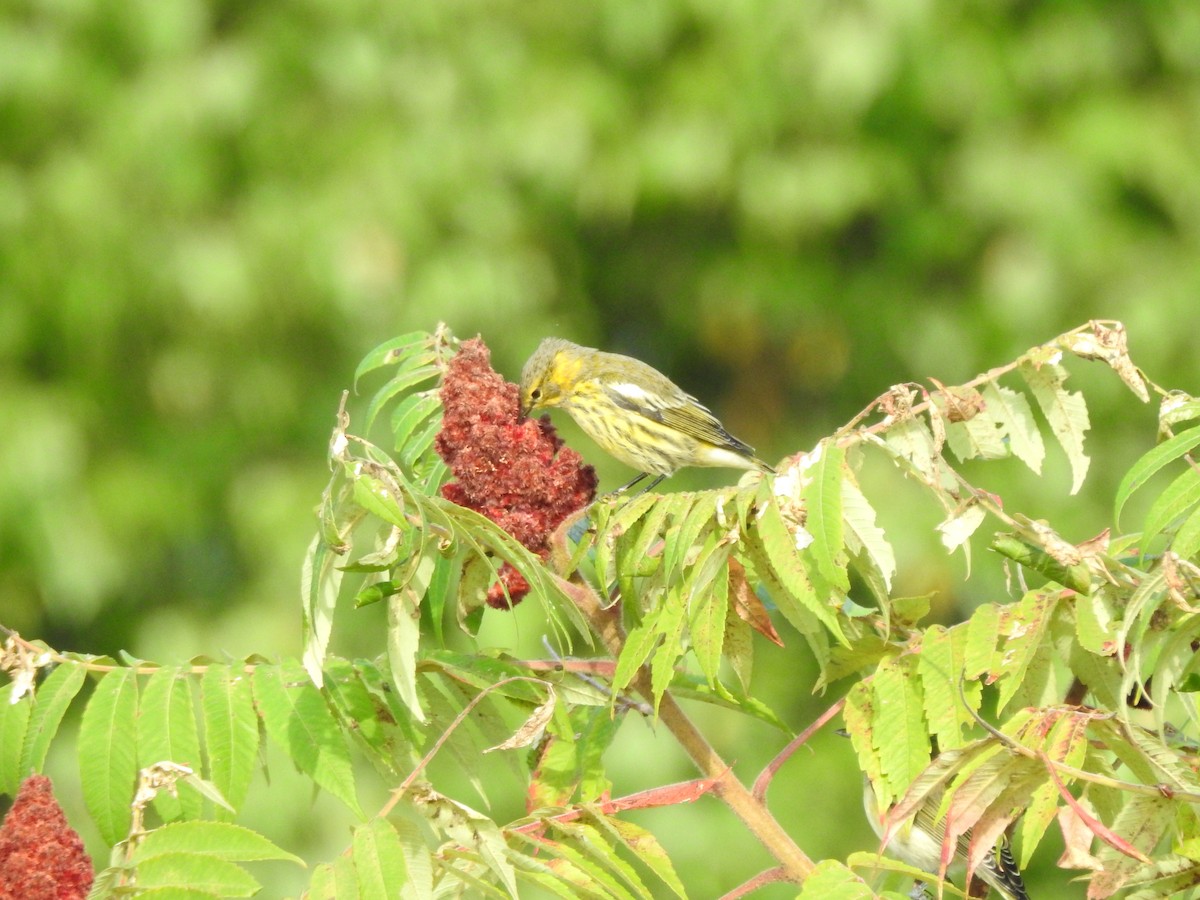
(1066, 413)
(230, 731)
(297, 719)
(166, 729)
(108, 753)
(195, 871)
(218, 840)
(14, 725)
(823, 499)
(50, 704)
(1146, 467)
(379, 860)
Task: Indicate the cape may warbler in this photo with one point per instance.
(919, 843)
(631, 410)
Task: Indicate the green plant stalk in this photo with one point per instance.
(795, 864)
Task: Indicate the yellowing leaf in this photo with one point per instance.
(1066, 413)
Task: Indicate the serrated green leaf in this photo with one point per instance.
(404, 634)
(669, 626)
(1094, 623)
(639, 644)
(864, 537)
(983, 632)
(1150, 463)
(595, 731)
(589, 839)
(397, 350)
(1176, 658)
(688, 687)
(320, 583)
(418, 860)
(1100, 674)
(299, 722)
(323, 884)
(420, 442)
(1179, 497)
(616, 523)
(469, 828)
(699, 514)
(404, 380)
(979, 437)
(559, 875)
(378, 860)
(219, 840)
(14, 725)
(798, 615)
(707, 609)
(50, 704)
(1027, 623)
(633, 552)
(862, 655)
(107, 749)
(368, 719)
(911, 439)
(1186, 541)
(831, 880)
(379, 498)
(940, 665)
(1146, 820)
(1065, 411)
(648, 850)
(900, 736)
(597, 876)
(196, 872)
(738, 646)
(166, 730)
(778, 550)
(443, 587)
(230, 731)
(1066, 743)
(410, 415)
(823, 500)
(859, 716)
(1012, 408)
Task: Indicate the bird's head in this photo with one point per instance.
(548, 375)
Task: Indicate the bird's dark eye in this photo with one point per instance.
(535, 394)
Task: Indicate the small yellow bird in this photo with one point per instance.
(919, 843)
(631, 410)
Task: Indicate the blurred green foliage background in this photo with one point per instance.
(209, 211)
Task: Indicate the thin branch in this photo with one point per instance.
(399, 792)
(762, 879)
(666, 795)
(795, 863)
(768, 773)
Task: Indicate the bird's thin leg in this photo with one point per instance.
(652, 485)
(630, 484)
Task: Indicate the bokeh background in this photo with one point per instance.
(210, 211)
